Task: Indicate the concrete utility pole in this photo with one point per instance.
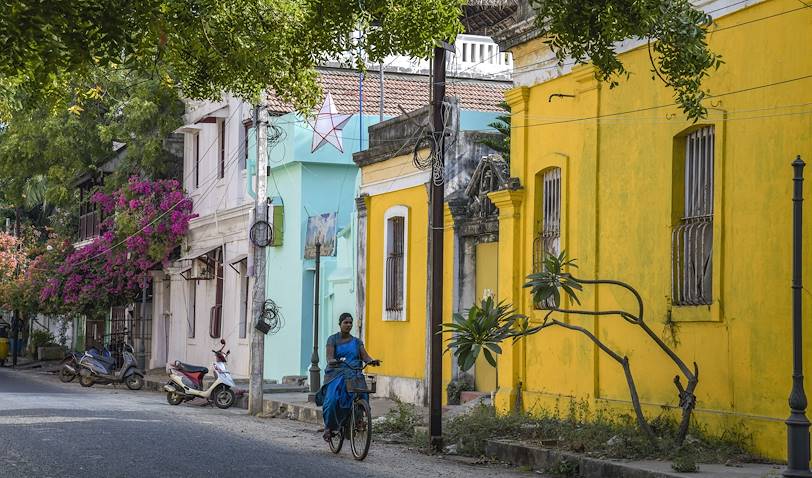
(257, 359)
(437, 198)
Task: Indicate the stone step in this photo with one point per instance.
(470, 396)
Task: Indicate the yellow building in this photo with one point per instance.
(697, 217)
(393, 246)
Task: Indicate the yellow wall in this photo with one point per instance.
(616, 150)
(486, 282)
(401, 345)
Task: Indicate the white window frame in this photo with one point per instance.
(396, 211)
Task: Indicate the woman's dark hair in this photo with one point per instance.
(345, 315)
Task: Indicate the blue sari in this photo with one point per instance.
(337, 400)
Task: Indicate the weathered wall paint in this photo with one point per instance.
(616, 150)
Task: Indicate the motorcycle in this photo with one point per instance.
(70, 364)
(102, 370)
(186, 381)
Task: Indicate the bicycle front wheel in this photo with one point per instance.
(360, 429)
(336, 440)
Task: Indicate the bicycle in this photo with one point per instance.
(358, 424)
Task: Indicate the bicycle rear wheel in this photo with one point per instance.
(360, 429)
(336, 441)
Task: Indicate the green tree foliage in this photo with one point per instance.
(46, 144)
(502, 124)
(244, 46)
(208, 46)
(676, 32)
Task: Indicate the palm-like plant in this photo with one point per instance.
(546, 286)
(483, 327)
(488, 325)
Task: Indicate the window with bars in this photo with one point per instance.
(216, 312)
(246, 132)
(197, 159)
(243, 299)
(548, 221)
(692, 237)
(221, 140)
(395, 268)
(191, 314)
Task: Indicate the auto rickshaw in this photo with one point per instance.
(3, 344)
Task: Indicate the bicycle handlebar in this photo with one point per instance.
(362, 367)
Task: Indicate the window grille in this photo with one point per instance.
(191, 317)
(244, 300)
(221, 164)
(197, 160)
(216, 312)
(395, 263)
(548, 237)
(246, 130)
(692, 237)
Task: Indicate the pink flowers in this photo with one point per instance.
(145, 221)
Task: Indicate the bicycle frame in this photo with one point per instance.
(352, 424)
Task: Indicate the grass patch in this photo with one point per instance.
(598, 434)
(399, 423)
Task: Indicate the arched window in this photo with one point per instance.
(692, 236)
(548, 216)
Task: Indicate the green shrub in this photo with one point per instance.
(598, 433)
(456, 387)
(399, 423)
(40, 338)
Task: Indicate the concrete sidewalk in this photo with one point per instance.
(279, 400)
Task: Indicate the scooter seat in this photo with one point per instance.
(191, 368)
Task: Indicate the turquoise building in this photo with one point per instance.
(303, 183)
(306, 184)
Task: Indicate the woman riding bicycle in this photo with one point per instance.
(342, 347)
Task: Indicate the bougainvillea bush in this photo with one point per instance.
(143, 222)
(10, 255)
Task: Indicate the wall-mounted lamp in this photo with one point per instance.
(559, 95)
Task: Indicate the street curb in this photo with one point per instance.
(544, 459)
(291, 411)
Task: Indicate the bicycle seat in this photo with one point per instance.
(191, 368)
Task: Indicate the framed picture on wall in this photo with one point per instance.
(321, 229)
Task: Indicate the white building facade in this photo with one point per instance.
(205, 295)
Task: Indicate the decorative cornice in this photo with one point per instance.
(517, 99)
(519, 28)
(508, 201)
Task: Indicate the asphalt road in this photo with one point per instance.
(50, 429)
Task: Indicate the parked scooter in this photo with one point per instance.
(186, 381)
(102, 370)
(70, 364)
